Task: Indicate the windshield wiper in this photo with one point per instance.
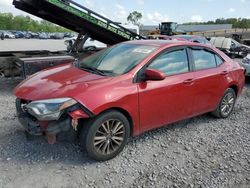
(107, 72)
(95, 70)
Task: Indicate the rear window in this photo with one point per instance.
(203, 59)
(218, 60)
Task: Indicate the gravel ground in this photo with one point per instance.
(199, 152)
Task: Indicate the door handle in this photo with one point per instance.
(188, 81)
(224, 73)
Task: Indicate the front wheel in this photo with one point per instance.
(226, 105)
(105, 136)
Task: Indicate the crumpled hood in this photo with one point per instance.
(61, 81)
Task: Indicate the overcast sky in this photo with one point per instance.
(156, 11)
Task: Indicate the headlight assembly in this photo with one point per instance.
(50, 109)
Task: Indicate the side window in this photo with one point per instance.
(218, 60)
(203, 59)
(171, 63)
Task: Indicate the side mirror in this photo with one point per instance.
(152, 74)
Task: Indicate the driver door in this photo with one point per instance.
(171, 99)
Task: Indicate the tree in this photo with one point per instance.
(134, 18)
(25, 23)
(236, 22)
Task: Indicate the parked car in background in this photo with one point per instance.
(1, 35)
(50, 35)
(230, 46)
(57, 36)
(34, 35)
(90, 44)
(27, 35)
(19, 34)
(43, 35)
(127, 89)
(8, 35)
(68, 35)
(246, 64)
(191, 38)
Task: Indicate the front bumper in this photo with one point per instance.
(35, 127)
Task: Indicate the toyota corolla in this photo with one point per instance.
(128, 89)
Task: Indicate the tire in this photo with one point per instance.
(226, 105)
(105, 136)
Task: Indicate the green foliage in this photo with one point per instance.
(134, 18)
(236, 22)
(25, 23)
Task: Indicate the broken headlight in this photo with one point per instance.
(50, 109)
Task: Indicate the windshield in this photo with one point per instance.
(117, 60)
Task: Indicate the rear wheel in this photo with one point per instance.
(226, 105)
(105, 136)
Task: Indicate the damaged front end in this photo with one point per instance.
(51, 117)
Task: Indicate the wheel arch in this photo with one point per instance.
(125, 113)
(235, 88)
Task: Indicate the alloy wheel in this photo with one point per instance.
(109, 136)
(227, 104)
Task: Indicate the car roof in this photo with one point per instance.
(163, 43)
(188, 36)
(159, 43)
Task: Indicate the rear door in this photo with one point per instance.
(210, 73)
(171, 99)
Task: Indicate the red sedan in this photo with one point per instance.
(126, 90)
